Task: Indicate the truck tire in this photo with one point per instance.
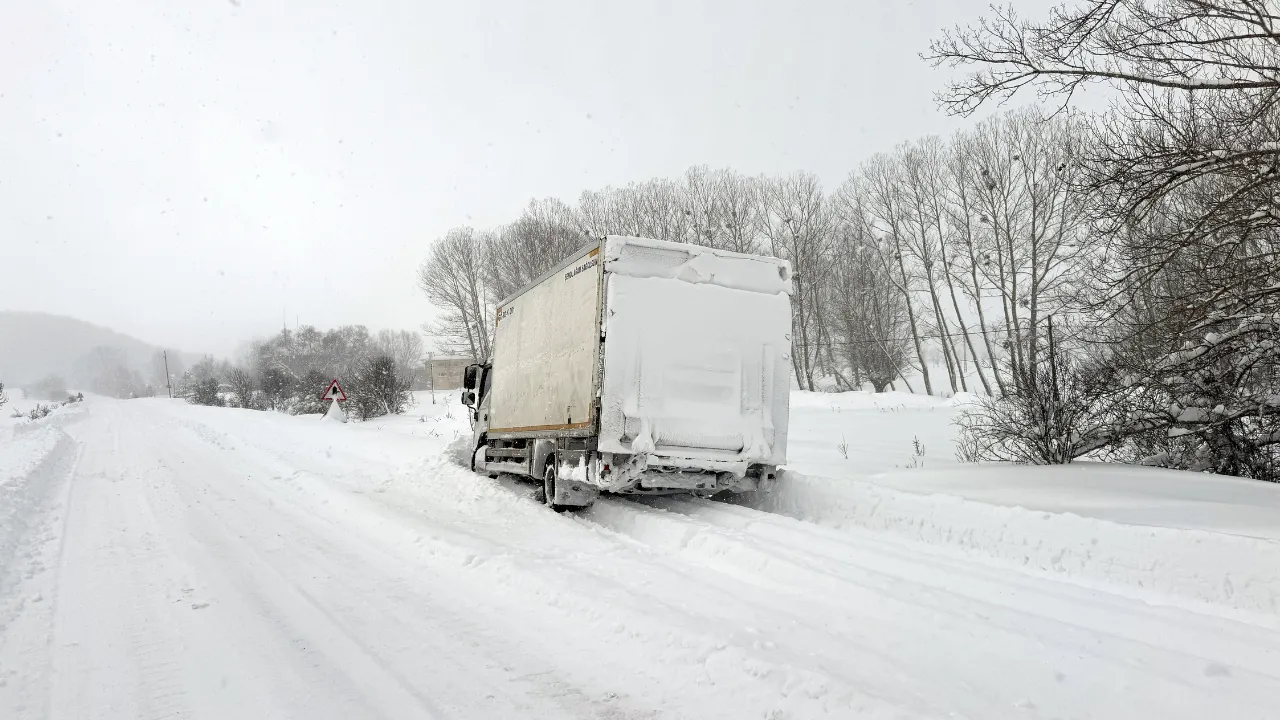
(483, 445)
(549, 486)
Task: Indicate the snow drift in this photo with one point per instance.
(1200, 569)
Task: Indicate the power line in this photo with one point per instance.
(1002, 334)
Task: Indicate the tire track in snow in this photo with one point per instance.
(586, 593)
(322, 536)
(924, 600)
(32, 511)
(928, 566)
(93, 617)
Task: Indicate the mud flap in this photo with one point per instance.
(575, 493)
(572, 488)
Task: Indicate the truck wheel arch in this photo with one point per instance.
(543, 450)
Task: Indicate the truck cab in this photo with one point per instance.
(477, 378)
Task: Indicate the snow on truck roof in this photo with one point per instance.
(648, 257)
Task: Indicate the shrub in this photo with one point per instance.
(379, 389)
(244, 388)
(277, 385)
(205, 392)
(306, 394)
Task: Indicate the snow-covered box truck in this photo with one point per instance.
(638, 366)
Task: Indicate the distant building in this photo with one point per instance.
(446, 371)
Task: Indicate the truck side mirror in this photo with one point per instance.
(469, 398)
(469, 377)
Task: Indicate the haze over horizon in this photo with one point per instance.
(190, 176)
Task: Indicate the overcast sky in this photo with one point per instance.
(189, 174)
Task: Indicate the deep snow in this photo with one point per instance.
(178, 561)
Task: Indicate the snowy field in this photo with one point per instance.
(164, 560)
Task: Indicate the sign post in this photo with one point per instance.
(336, 395)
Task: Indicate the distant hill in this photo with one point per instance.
(33, 345)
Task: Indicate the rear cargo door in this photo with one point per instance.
(696, 352)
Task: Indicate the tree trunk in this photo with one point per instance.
(915, 329)
(943, 341)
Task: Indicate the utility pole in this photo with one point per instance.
(168, 380)
(431, 376)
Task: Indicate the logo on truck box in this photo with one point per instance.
(584, 266)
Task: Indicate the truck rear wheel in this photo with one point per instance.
(549, 486)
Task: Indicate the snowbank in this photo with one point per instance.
(1125, 494)
(857, 434)
(862, 400)
(34, 458)
(1166, 536)
(1203, 569)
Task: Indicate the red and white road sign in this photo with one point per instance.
(334, 392)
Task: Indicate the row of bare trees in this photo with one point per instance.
(939, 254)
(1180, 180)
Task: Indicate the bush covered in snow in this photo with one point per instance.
(379, 389)
(1048, 416)
(277, 387)
(244, 389)
(290, 371)
(205, 392)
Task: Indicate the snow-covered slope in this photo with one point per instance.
(34, 345)
(179, 561)
(1188, 539)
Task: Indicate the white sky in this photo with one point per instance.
(188, 174)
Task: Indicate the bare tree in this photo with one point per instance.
(1031, 227)
(740, 212)
(1133, 45)
(799, 228)
(967, 253)
(879, 187)
(724, 209)
(607, 212)
(546, 232)
(453, 280)
(920, 167)
(405, 348)
(866, 310)
(701, 192)
(660, 210)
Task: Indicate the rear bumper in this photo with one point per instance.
(657, 474)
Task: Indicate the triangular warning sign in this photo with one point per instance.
(334, 392)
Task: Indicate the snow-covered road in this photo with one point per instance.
(183, 562)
